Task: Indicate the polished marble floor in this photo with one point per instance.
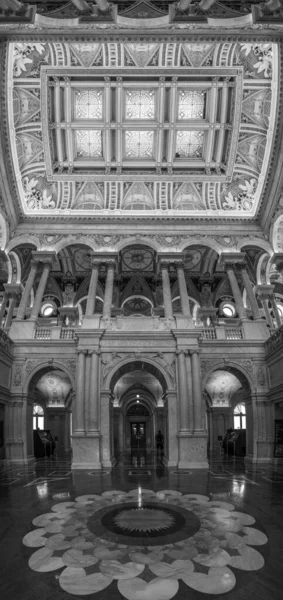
(141, 532)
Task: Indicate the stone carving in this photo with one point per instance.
(110, 359)
(72, 365)
(167, 361)
(5, 342)
(18, 376)
(260, 376)
(30, 366)
(247, 364)
(242, 200)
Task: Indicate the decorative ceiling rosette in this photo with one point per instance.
(146, 541)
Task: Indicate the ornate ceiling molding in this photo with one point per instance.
(251, 69)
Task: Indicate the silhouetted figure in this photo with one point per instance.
(159, 440)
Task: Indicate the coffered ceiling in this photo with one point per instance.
(177, 129)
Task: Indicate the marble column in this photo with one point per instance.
(197, 392)
(167, 298)
(183, 391)
(275, 311)
(173, 451)
(121, 432)
(103, 5)
(265, 293)
(79, 408)
(87, 389)
(94, 393)
(105, 429)
(13, 299)
(40, 291)
(67, 432)
(250, 293)
(90, 307)
(3, 306)
(183, 5)
(27, 291)
(190, 392)
(14, 291)
(236, 290)
(108, 295)
(183, 290)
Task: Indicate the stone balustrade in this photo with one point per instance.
(275, 342)
(6, 343)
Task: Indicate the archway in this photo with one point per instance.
(49, 389)
(229, 413)
(137, 411)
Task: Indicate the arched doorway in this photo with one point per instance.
(139, 408)
(49, 398)
(229, 412)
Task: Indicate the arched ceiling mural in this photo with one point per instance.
(55, 387)
(94, 134)
(221, 385)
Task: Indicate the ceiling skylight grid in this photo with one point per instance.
(114, 124)
(140, 104)
(88, 104)
(190, 104)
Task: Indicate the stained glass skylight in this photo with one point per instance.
(89, 143)
(191, 105)
(189, 144)
(139, 144)
(140, 104)
(88, 104)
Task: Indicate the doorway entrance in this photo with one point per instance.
(138, 436)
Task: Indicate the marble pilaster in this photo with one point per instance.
(167, 298)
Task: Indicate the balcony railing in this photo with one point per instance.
(275, 341)
(209, 333)
(67, 333)
(43, 333)
(234, 333)
(5, 342)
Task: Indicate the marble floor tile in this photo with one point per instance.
(74, 560)
(157, 589)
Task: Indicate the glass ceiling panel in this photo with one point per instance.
(191, 105)
(88, 104)
(189, 144)
(89, 143)
(140, 104)
(139, 144)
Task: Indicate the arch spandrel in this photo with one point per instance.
(153, 367)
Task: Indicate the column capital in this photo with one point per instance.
(181, 351)
(44, 257)
(169, 258)
(194, 351)
(13, 289)
(79, 351)
(264, 292)
(95, 264)
(277, 260)
(234, 260)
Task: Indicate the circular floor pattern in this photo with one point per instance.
(130, 537)
(148, 525)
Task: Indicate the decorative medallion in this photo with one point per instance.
(86, 540)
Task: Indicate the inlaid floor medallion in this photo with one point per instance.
(149, 542)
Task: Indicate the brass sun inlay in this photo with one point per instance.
(144, 519)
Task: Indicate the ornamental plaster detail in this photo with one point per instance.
(239, 197)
